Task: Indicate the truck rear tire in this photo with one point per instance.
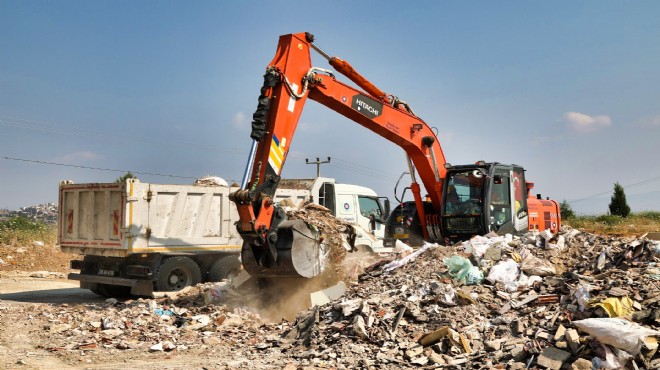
(224, 268)
(176, 273)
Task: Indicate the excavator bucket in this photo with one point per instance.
(298, 253)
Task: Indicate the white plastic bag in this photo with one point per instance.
(582, 295)
(616, 332)
(506, 273)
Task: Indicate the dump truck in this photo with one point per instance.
(136, 237)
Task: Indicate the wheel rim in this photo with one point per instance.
(178, 279)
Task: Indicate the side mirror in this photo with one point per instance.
(385, 203)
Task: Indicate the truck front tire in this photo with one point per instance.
(176, 273)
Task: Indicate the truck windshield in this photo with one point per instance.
(369, 206)
(465, 193)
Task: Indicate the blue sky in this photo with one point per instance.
(570, 90)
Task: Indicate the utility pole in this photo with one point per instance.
(318, 164)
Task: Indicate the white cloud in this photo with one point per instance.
(652, 121)
(239, 120)
(78, 157)
(585, 124)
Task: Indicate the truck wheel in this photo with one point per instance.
(176, 273)
(113, 291)
(224, 268)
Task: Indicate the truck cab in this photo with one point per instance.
(351, 203)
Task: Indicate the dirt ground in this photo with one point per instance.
(28, 305)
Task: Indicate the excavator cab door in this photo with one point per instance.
(507, 207)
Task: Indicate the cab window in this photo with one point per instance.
(369, 206)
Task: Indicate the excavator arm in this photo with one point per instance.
(273, 245)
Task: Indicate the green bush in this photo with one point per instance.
(650, 215)
(21, 230)
(22, 224)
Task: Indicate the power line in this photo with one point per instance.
(96, 168)
(624, 186)
(72, 130)
(76, 131)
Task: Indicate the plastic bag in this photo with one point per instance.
(536, 266)
(462, 270)
(582, 295)
(616, 306)
(618, 333)
(506, 273)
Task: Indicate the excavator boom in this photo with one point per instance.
(290, 80)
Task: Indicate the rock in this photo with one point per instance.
(573, 340)
(493, 345)
(552, 358)
(40, 274)
(559, 334)
(517, 352)
(156, 347)
(581, 364)
(359, 328)
(211, 340)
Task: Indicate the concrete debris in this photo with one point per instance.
(408, 314)
(210, 181)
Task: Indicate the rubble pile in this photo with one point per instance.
(568, 301)
(424, 313)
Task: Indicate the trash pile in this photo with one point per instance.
(542, 300)
(573, 300)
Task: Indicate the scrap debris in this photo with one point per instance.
(554, 302)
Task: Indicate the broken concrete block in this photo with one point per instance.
(552, 358)
(573, 339)
(559, 334)
(327, 295)
(493, 345)
(581, 364)
(359, 328)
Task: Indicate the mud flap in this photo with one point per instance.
(298, 253)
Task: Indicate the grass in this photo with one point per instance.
(636, 224)
(21, 231)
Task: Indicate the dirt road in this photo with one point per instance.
(27, 333)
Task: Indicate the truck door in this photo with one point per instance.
(371, 211)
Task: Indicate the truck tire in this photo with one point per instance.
(224, 268)
(176, 273)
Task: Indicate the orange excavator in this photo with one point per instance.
(459, 201)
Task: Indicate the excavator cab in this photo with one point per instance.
(481, 198)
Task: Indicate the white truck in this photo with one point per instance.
(351, 203)
(139, 237)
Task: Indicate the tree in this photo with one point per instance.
(619, 205)
(566, 210)
(127, 175)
